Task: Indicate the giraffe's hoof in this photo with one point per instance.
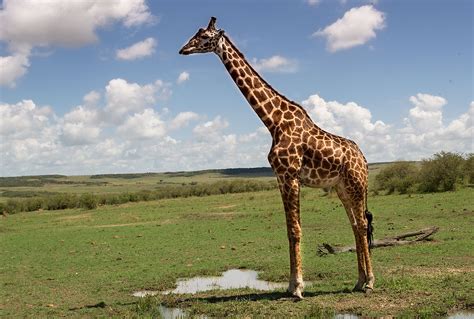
(369, 290)
(358, 288)
(296, 294)
(295, 289)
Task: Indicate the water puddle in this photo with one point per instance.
(462, 315)
(231, 279)
(145, 293)
(173, 313)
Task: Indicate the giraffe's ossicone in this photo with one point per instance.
(301, 154)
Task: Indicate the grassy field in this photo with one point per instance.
(44, 186)
(30, 186)
(86, 263)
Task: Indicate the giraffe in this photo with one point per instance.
(301, 154)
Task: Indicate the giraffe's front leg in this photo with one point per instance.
(290, 195)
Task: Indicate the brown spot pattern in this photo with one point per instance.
(303, 153)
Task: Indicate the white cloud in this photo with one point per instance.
(313, 2)
(81, 126)
(183, 77)
(349, 120)
(34, 140)
(427, 114)
(23, 119)
(212, 129)
(92, 98)
(13, 67)
(35, 23)
(82, 114)
(462, 128)
(422, 133)
(276, 63)
(143, 125)
(28, 135)
(138, 50)
(77, 133)
(123, 97)
(356, 27)
(183, 119)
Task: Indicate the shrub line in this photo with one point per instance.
(91, 201)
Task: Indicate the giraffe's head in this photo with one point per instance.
(205, 40)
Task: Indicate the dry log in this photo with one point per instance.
(402, 239)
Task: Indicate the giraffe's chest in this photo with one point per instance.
(314, 177)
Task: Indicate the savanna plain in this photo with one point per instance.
(84, 262)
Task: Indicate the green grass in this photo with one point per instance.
(79, 263)
(50, 185)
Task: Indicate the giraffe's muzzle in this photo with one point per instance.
(185, 51)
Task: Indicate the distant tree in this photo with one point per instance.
(441, 172)
(468, 168)
(397, 177)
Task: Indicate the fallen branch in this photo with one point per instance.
(402, 239)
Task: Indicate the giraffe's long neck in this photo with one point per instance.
(267, 103)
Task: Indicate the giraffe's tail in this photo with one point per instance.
(370, 228)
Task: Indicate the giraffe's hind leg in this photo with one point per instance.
(355, 209)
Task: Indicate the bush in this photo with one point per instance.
(13, 206)
(33, 204)
(441, 172)
(91, 201)
(397, 177)
(468, 168)
(61, 201)
(88, 201)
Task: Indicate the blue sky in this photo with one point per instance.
(77, 98)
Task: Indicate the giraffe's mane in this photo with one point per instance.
(242, 56)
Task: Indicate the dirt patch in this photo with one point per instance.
(378, 303)
(430, 272)
(215, 215)
(125, 225)
(75, 217)
(226, 206)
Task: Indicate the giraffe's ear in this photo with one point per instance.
(212, 24)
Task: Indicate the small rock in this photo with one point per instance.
(222, 247)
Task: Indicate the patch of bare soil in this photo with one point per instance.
(226, 206)
(378, 301)
(75, 217)
(213, 215)
(125, 225)
(430, 272)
